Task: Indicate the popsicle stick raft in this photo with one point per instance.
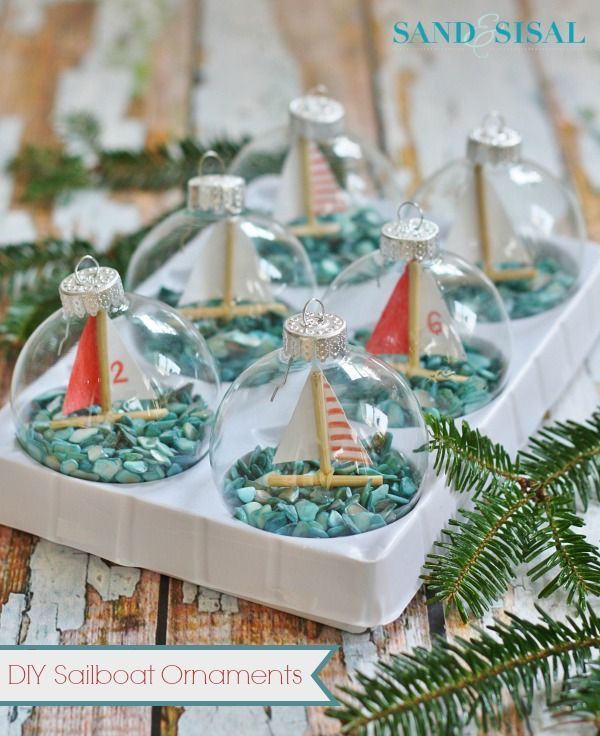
(104, 370)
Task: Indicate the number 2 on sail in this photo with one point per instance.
(116, 368)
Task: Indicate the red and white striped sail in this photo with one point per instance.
(463, 237)
(300, 439)
(207, 277)
(437, 334)
(327, 195)
(127, 380)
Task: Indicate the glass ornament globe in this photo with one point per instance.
(332, 189)
(114, 387)
(519, 223)
(428, 313)
(235, 274)
(318, 439)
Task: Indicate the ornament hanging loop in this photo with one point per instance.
(415, 206)
(82, 260)
(308, 316)
(211, 156)
(493, 121)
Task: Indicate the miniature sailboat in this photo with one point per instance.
(319, 428)
(104, 371)
(308, 189)
(227, 267)
(415, 322)
(481, 213)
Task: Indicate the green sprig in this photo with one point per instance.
(443, 690)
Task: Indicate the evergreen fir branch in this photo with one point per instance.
(46, 173)
(26, 312)
(470, 461)
(23, 265)
(521, 511)
(580, 700)
(565, 458)
(444, 689)
(574, 562)
(479, 552)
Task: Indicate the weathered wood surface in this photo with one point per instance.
(150, 71)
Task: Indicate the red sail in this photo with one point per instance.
(84, 383)
(391, 333)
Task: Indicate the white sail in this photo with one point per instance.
(207, 278)
(463, 237)
(437, 333)
(300, 439)
(127, 381)
(327, 195)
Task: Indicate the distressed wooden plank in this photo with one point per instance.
(245, 74)
(329, 42)
(570, 79)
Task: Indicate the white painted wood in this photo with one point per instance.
(247, 76)
(10, 619)
(113, 581)
(360, 653)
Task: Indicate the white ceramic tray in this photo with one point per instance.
(182, 528)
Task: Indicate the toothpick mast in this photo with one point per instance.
(102, 348)
(325, 477)
(511, 274)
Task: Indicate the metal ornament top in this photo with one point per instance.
(314, 335)
(316, 116)
(492, 142)
(409, 239)
(88, 290)
(216, 193)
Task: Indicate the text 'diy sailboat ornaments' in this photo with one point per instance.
(408, 303)
(113, 387)
(318, 439)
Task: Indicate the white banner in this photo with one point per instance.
(163, 675)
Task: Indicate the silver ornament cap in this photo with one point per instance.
(87, 291)
(409, 238)
(492, 142)
(215, 193)
(316, 116)
(314, 335)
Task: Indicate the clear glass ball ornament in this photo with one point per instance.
(235, 274)
(114, 387)
(332, 189)
(318, 439)
(519, 223)
(431, 315)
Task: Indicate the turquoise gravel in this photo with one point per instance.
(359, 234)
(443, 396)
(236, 343)
(317, 511)
(526, 298)
(129, 451)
